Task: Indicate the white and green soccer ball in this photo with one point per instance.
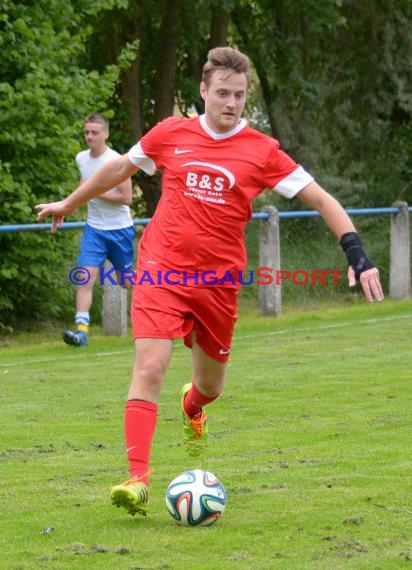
(196, 498)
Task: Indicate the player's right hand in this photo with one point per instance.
(58, 210)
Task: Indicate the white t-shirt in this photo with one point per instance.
(101, 214)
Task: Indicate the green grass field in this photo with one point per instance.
(311, 438)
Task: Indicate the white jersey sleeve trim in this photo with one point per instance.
(294, 183)
(141, 160)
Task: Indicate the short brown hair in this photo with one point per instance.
(98, 118)
(225, 58)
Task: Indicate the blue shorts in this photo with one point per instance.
(115, 245)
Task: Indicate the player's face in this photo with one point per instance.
(95, 135)
(225, 98)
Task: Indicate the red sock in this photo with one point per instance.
(195, 400)
(139, 424)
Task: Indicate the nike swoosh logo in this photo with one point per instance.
(223, 351)
(181, 151)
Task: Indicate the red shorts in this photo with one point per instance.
(175, 311)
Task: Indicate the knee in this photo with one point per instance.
(210, 386)
(152, 371)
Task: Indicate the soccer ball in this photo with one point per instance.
(196, 498)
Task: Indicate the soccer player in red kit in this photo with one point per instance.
(193, 249)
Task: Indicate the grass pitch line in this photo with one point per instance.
(292, 329)
(64, 357)
(324, 327)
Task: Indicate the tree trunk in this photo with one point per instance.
(168, 43)
(130, 88)
(269, 93)
(219, 28)
(130, 83)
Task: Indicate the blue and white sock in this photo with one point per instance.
(82, 321)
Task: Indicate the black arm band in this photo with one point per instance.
(355, 254)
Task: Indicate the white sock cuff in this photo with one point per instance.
(82, 318)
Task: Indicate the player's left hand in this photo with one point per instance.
(370, 283)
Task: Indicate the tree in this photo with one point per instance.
(335, 79)
(164, 78)
(331, 81)
(44, 97)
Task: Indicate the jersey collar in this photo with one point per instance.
(218, 136)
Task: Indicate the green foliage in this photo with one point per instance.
(331, 81)
(44, 96)
(335, 79)
(368, 102)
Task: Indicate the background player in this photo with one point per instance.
(109, 231)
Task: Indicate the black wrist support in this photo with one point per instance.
(355, 254)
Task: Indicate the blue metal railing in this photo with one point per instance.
(256, 216)
(312, 213)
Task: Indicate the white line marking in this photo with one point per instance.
(291, 330)
(324, 327)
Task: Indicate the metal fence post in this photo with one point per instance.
(114, 307)
(400, 260)
(270, 296)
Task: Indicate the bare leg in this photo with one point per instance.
(209, 374)
(84, 293)
(123, 281)
(151, 362)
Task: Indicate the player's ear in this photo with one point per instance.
(203, 90)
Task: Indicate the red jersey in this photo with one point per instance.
(209, 182)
